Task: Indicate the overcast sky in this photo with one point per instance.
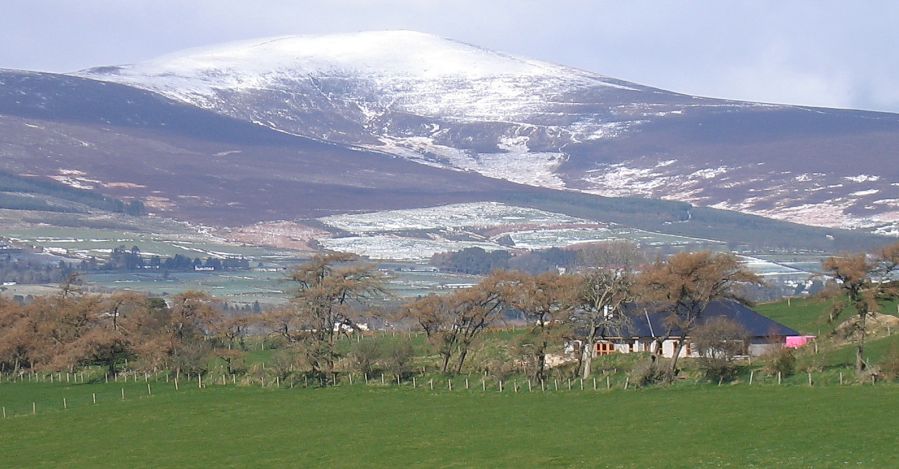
(825, 53)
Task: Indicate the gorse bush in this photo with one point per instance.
(780, 360)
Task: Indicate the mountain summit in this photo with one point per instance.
(448, 104)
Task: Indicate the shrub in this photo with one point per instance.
(191, 358)
(283, 363)
(364, 355)
(648, 373)
(398, 358)
(719, 341)
(780, 360)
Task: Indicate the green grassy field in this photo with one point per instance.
(808, 315)
(761, 426)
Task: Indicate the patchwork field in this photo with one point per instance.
(418, 234)
(761, 426)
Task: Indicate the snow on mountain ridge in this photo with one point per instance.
(423, 55)
(403, 63)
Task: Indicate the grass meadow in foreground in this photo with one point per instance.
(357, 426)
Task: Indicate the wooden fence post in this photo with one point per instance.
(123, 394)
(94, 397)
(751, 373)
(627, 381)
(149, 391)
(778, 377)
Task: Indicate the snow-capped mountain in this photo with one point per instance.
(444, 103)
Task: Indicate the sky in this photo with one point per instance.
(822, 53)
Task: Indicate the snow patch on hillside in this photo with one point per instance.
(863, 178)
(399, 247)
(516, 164)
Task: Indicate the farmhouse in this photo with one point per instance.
(647, 323)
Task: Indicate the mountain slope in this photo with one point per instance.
(195, 165)
(452, 105)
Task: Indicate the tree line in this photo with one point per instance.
(477, 261)
(121, 259)
(10, 184)
(334, 296)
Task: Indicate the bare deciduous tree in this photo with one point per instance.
(329, 287)
(862, 281)
(453, 322)
(602, 293)
(545, 301)
(439, 318)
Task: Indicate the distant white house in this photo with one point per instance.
(648, 324)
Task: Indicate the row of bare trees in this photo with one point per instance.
(71, 329)
(333, 291)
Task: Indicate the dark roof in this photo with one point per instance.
(650, 320)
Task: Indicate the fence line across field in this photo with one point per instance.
(488, 383)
